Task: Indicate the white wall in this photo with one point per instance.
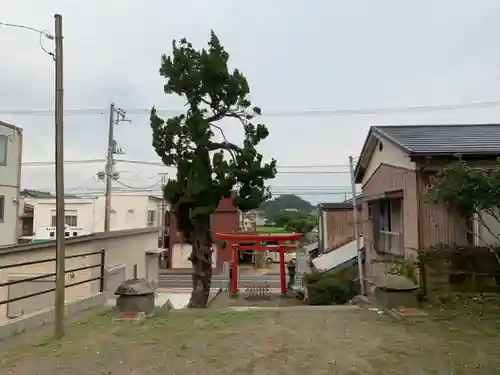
(181, 253)
(44, 209)
(390, 155)
(127, 212)
(9, 184)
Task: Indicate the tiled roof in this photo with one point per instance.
(29, 193)
(481, 139)
(335, 206)
(35, 193)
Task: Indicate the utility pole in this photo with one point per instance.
(356, 227)
(163, 209)
(59, 159)
(163, 222)
(109, 167)
(116, 115)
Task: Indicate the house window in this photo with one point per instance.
(69, 219)
(151, 218)
(2, 208)
(3, 150)
(388, 225)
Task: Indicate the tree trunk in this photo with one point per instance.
(201, 260)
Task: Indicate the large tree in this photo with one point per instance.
(209, 167)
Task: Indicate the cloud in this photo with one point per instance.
(296, 56)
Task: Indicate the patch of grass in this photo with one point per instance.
(43, 343)
(272, 342)
(201, 319)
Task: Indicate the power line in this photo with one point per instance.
(47, 163)
(138, 188)
(313, 190)
(279, 113)
(274, 194)
(159, 164)
(80, 185)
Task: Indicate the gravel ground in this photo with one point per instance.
(312, 341)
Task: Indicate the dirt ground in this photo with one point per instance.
(313, 341)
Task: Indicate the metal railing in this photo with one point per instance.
(100, 278)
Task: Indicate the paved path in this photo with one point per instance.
(218, 281)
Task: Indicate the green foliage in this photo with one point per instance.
(404, 268)
(467, 189)
(461, 269)
(209, 167)
(463, 259)
(296, 221)
(329, 288)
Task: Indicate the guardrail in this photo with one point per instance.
(99, 278)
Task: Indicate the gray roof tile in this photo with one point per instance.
(445, 139)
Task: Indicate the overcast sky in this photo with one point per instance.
(296, 55)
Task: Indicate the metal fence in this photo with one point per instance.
(99, 278)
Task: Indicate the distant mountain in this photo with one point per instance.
(286, 202)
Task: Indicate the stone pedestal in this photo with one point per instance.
(135, 295)
(394, 291)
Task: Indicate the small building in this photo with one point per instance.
(11, 146)
(395, 168)
(224, 220)
(336, 225)
(128, 211)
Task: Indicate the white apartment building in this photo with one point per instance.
(128, 211)
(11, 148)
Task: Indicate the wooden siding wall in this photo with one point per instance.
(439, 223)
(389, 178)
(340, 228)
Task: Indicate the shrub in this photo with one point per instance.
(326, 292)
(327, 289)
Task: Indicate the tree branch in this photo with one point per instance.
(224, 146)
(231, 152)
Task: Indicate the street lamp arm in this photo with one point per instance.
(44, 33)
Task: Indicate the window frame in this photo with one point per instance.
(4, 139)
(66, 216)
(2, 208)
(384, 226)
(154, 215)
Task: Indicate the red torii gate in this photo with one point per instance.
(236, 239)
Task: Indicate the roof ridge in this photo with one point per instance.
(391, 139)
(435, 125)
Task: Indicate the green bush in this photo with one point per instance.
(324, 289)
